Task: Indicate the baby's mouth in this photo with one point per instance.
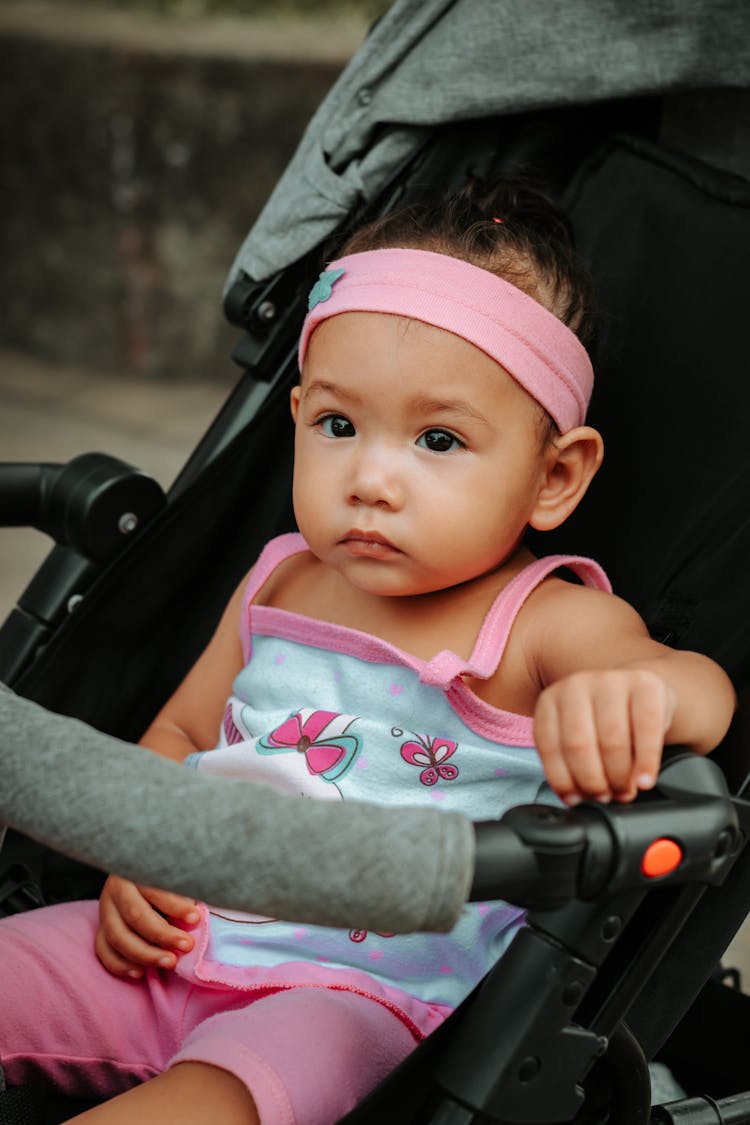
(368, 543)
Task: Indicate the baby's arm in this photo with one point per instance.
(612, 697)
(134, 920)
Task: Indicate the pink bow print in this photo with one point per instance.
(327, 757)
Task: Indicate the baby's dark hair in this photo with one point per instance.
(510, 228)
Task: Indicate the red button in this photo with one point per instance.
(661, 857)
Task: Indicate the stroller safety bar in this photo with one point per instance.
(542, 857)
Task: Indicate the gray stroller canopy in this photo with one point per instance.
(431, 62)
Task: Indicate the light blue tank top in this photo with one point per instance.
(331, 713)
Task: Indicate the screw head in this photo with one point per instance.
(127, 523)
(572, 993)
(611, 928)
(266, 311)
(724, 844)
(529, 1068)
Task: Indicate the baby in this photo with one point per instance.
(405, 648)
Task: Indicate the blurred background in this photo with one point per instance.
(139, 140)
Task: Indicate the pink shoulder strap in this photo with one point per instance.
(493, 636)
(273, 554)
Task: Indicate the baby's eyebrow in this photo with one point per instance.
(321, 386)
(449, 406)
(421, 404)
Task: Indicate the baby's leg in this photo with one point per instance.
(65, 1020)
(190, 1093)
(303, 1056)
(307, 1055)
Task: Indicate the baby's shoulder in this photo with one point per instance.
(559, 605)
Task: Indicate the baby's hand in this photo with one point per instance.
(600, 734)
(133, 931)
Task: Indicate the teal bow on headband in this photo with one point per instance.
(321, 290)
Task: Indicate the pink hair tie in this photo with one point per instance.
(528, 341)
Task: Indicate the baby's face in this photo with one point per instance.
(418, 460)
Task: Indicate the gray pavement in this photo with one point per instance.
(50, 413)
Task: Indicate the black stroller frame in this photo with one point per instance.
(544, 1039)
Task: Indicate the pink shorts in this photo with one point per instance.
(66, 1020)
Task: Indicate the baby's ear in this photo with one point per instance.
(294, 398)
(571, 464)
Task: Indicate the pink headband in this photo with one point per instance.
(537, 349)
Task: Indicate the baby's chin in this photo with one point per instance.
(386, 581)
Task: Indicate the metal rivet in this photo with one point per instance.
(266, 311)
(127, 523)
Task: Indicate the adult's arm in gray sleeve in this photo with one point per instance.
(234, 843)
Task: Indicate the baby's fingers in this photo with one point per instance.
(173, 905)
(122, 951)
(132, 931)
(114, 961)
(612, 716)
(140, 917)
(651, 712)
(566, 740)
(125, 943)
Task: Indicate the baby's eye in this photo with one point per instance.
(336, 426)
(439, 441)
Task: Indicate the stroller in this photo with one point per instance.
(619, 962)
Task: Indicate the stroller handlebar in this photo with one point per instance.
(90, 503)
(541, 856)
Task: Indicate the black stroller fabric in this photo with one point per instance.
(668, 240)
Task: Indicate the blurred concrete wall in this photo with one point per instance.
(135, 156)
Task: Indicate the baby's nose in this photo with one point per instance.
(375, 481)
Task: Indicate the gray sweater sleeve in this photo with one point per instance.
(234, 843)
